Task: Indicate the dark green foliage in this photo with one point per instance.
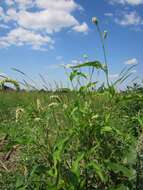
(70, 141)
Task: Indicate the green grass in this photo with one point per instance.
(69, 141)
(86, 138)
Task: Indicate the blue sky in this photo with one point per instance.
(37, 36)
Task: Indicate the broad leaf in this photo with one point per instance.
(76, 73)
(127, 172)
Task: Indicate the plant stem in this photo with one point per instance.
(104, 52)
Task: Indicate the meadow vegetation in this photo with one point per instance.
(86, 138)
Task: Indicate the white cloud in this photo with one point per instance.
(113, 76)
(9, 2)
(11, 14)
(24, 2)
(132, 61)
(48, 20)
(130, 2)
(21, 4)
(20, 36)
(46, 17)
(81, 28)
(61, 5)
(108, 14)
(131, 18)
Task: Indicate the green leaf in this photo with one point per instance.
(99, 171)
(69, 176)
(112, 90)
(127, 172)
(59, 148)
(75, 167)
(119, 187)
(20, 183)
(106, 129)
(86, 87)
(125, 74)
(95, 64)
(76, 73)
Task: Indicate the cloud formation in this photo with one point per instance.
(34, 21)
(129, 18)
(129, 2)
(132, 61)
(113, 76)
(81, 28)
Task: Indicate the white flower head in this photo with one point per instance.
(94, 20)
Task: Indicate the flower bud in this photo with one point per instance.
(105, 34)
(94, 20)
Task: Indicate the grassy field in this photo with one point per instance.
(62, 141)
(87, 138)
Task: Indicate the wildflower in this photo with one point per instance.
(94, 20)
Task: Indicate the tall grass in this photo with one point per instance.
(73, 140)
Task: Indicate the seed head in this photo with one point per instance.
(53, 104)
(39, 105)
(94, 20)
(105, 34)
(56, 98)
(18, 114)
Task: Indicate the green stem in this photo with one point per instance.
(104, 52)
(68, 78)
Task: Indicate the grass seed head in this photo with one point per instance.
(53, 104)
(39, 105)
(18, 114)
(56, 98)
